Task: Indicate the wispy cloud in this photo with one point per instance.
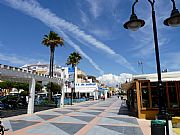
(102, 33)
(47, 17)
(106, 11)
(143, 38)
(95, 7)
(172, 61)
(91, 17)
(84, 18)
(77, 48)
(99, 7)
(14, 59)
(17, 60)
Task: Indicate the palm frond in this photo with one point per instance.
(52, 39)
(74, 59)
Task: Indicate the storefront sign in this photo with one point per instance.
(85, 87)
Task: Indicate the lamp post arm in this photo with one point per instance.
(133, 7)
(152, 3)
(174, 4)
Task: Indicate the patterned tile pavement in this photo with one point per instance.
(88, 118)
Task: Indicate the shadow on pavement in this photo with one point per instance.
(124, 110)
(16, 112)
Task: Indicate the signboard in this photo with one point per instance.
(71, 69)
(102, 89)
(71, 76)
(85, 84)
(85, 87)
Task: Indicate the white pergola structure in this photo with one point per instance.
(19, 75)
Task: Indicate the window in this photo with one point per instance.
(145, 98)
(135, 99)
(144, 84)
(172, 95)
(153, 84)
(145, 95)
(132, 99)
(154, 95)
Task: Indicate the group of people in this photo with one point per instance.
(103, 97)
(120, 96)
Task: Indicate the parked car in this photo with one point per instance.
(1, 105)
(57, 95)
(13, 102)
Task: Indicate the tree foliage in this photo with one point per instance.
(18, 85)
(52, 40)
(74, 59)
(54, 87)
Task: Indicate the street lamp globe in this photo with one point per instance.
(174, 19)
(134, 23)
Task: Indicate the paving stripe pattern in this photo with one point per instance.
(88, 118)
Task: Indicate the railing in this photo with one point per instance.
(20, 70)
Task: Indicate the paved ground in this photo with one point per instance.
(20, 111)
(89, 118)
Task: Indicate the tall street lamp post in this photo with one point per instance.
(134, 24)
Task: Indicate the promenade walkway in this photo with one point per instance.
(89, 118)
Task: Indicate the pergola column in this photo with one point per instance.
(63, 95)
(95, 95)
(105, 93)
(32, 85)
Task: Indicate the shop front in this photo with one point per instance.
(142, 96)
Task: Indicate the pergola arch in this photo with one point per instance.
(14, 74)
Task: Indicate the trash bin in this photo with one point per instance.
(158, 127)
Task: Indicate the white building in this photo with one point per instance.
(44, 69)
(41, 68)
(84, 85)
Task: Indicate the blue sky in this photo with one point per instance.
(94, 28)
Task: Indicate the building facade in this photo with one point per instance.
(44, 69)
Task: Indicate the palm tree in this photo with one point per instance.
(52, 40)
(73, 60)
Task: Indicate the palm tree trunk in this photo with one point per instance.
(51, 70)
(52, 66)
